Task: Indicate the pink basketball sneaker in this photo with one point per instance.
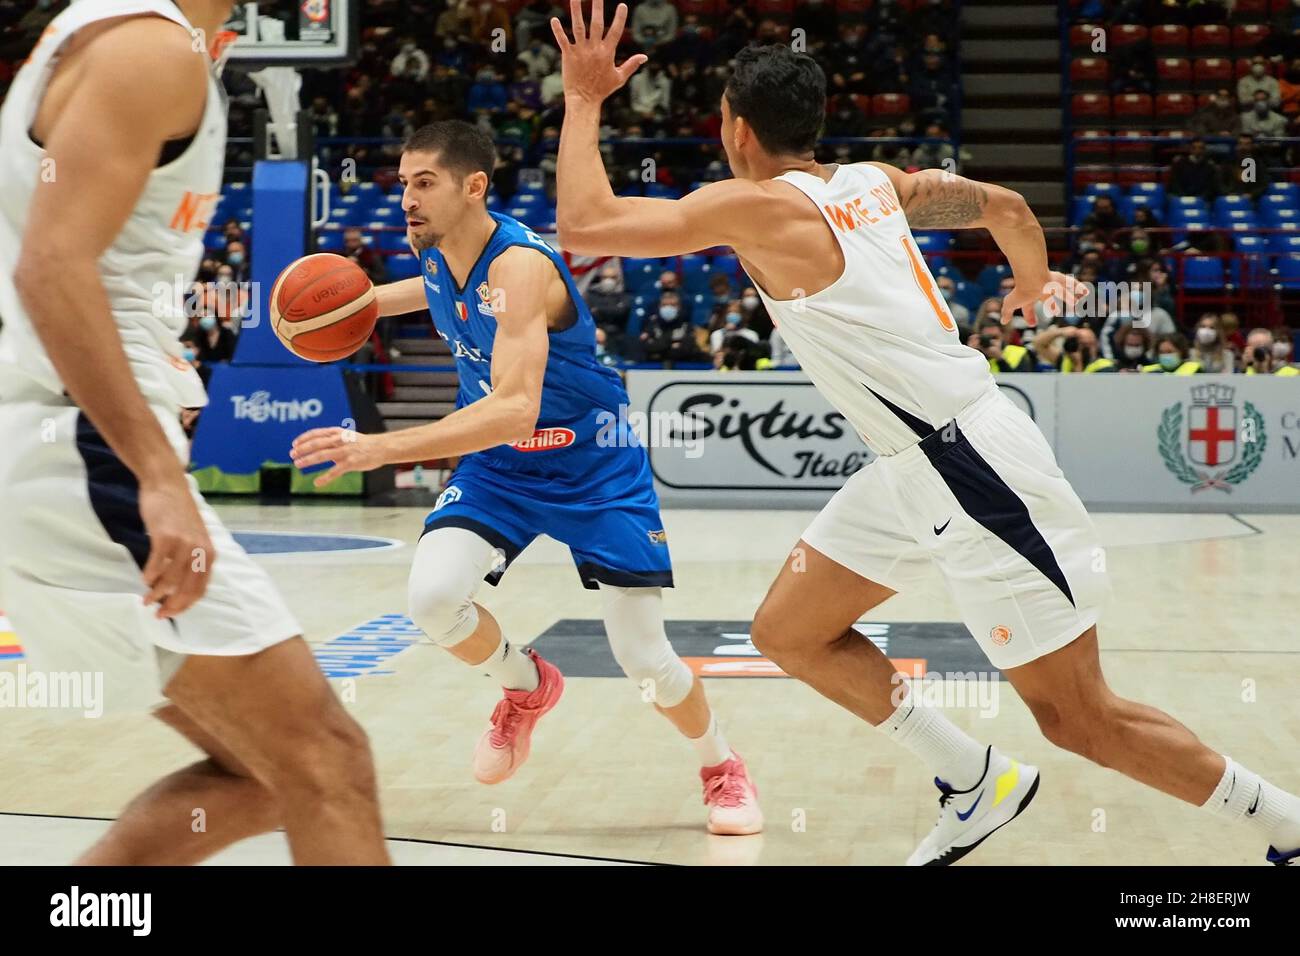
(504, 746)
(732, 798)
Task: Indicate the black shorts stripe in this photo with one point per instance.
(988, 499)
(489, 534)
(593, 575)
(922, 428)
(113, 490)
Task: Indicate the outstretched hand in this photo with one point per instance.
(587, 61)
(1059, 294)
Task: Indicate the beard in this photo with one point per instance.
(424, 240)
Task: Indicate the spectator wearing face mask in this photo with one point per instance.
(654, 22)
(729, 322)
(948, 289)
(1262, 119)
(609, 303)
(1132, 348)
(755, 312)
(211, 341)
(1196, 173)
(1283, 346)
(721, 290)
(1210, 350)
(1171, 357)
(668, 336)
(1258, 81)
(1219, 117)
(237, 258)
(1267, 355)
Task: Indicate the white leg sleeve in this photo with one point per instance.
(634, 623)
(449, 566)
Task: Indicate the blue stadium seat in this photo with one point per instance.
(643, 301)
(404, 266)
(1277, 215)
(494, 202)
(392, 242)
(1233, 202)
(991, 276)
(1153, 191)
(635, 321)
(729, 266)
(329, 241)
(528, 199)
(701, 308)
(1250, 272)
(1202, 272)
(369, 191)
(1287, 272)
(662, 191)
(933, 243)
(967, 293)
(1113, 190)
(1081, 208)
(640, 275)
(532, 186)
(1232, 217)
(346, 215)
(1285, 242)
(1289, 190)
(1191, 225)
(696, 271)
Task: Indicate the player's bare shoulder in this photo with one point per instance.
(150, 60)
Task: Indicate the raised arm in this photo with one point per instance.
(519, 279)
(937, 199)
(590, 219)
(103, 144)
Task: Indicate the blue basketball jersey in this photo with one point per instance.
(576, 388)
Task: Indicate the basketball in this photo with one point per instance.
(323, 307)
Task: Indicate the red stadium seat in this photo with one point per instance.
(1088, 151)
(779, 8)
(704, 9)
(1210, 73)
(1280, 6)
(1247, 36)
(1173, 109)
(1085, 176)
(891, 104)
(1241, 66)
(1145, 174)
(1131, 107)
(1089, 73)
(1087, 106)
(1174, 73)
(1082, 36)
(853, 8)
(1211, 38)
(1126, 34)
(1170, 38)
(1250, 11)
(862, 103)
(1204, 100)
(1136, 152)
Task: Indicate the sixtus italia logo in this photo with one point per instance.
(1211, 441)
(757, 435)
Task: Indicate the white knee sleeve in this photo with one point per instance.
(634, 622)
(449, 565)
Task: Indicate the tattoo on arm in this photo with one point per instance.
(939, 201)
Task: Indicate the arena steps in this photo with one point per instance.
(420, 397)
(1011, 102)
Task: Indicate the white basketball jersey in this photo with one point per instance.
(149, 266)
(881, 335)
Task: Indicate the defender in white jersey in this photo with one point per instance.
(964, 483)
(111, 149)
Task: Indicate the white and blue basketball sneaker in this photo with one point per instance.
(1278, 858)
(969, 817)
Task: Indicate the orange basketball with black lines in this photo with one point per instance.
(323, 307)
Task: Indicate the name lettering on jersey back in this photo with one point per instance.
(859, 212)
(194, 212)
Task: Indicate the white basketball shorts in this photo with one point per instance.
(983, 500)
(72, 546)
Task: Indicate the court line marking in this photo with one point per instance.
(389, 544)
(393, 839)
(1238, 518)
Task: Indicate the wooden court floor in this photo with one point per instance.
(1202, 624)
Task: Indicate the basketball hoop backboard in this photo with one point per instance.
(296, 33)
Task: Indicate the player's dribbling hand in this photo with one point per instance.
(588, 60)
(348, 449)
(180, 551)
(1059, 293)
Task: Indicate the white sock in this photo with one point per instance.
(711, 746)
(956, 758)
(1244, 795)
(509, 666)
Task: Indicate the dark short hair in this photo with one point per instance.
(461, 147)
(781, 94)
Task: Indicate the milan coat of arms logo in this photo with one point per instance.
(1215, 438)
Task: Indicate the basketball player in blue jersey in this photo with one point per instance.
(534, 460)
